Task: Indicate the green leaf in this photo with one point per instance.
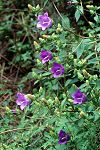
(77, 15)
(80, 50)
(65, 22)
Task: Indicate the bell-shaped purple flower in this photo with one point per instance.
(79, 97)
(44, 21)
(57, 70)
(22, 100)
(45, 56)
(63, 137)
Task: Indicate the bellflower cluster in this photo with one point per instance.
(79, 97)
(22, 100)
(44, 21)
(45, 56)
(63, 137)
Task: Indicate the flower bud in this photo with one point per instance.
(75, 62)
(30, 7)
(38, 61)
(67, 66)
(34, 75)
(80, 63)
(57, 59)
(82, 114)
(56, 100)
(29, 96)
(50, 101)
(44, 101)
(41, 89)
(85, 73)
(45, 36)
(80, 76)
(51, 133)
(70, 100)
(7, 109)
(54, 36)
(41, 40)
(37, 104)
(58, 30)
(59, 25)
(37, 7)
(36, 44)
(64, 95)
(91, 23)
(71, 56)
(87, 83)
(57, 112)
(90, 7)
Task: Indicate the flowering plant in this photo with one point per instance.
(64, 86)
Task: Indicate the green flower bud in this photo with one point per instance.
(71, 56)
(85, 73)
(30, 7)
(34, 75)
(41, 40)
(51, 133)
(50, 101)
(92, 12)
(37, 103)
(80, 63)
(45, 36)
(91, 7)
(70, 100)
(67, 66)
(59, 25)
(58, 30)
(7, 109)
(80, 76)
(64, 95)
(38, 62)
(82, 114)
(87, 83)
(56, 100)
(54, 36)
(37, 7)
(36, 44)
(31, 97)
(44, 101)
(57, 112)
(41, 89)
(75, 62)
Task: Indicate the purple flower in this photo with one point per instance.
(45, 56)
(57, 70)
(22, 100)
(79, 97)
(63, 137)
(44, 21)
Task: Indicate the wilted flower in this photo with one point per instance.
(22, 100)
(44, 21)
(45, 56)
(63, 137)
(57, 70)
(79, 97)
